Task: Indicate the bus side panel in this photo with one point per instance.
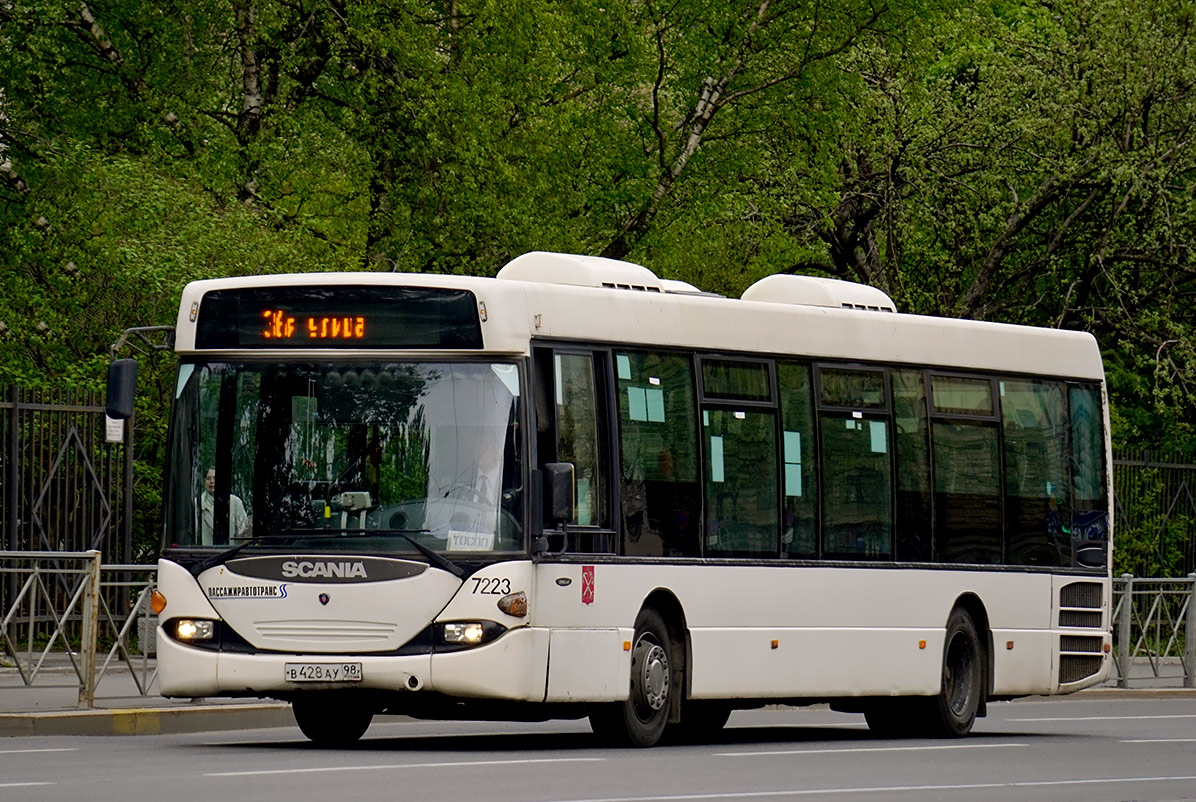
(1027, 667)
(588, 665)
(745, 663)
(840, 630)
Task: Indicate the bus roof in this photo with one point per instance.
(779, 316)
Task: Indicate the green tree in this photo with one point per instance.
(1031, 164)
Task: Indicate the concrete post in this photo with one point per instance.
(1190, 635)
(1125, 645)
(91, 631)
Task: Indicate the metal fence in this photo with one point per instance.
(72, 613)
(1154, 631)
(1154, 498)
(64, 486)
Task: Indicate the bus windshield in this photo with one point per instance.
(361, 457)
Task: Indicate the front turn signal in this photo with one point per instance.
(157, 602)
(514, 604)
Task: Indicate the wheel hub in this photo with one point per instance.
(652, 673)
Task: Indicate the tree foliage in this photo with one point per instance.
(1012, 160)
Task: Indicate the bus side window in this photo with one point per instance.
(578, 434)
(911, 434)
(857, 474)
(799, 479)
(967, 470)
(1090, 512)
(661, 495)
(1033, 419)
(739, 441)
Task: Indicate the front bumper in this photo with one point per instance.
(513, 667)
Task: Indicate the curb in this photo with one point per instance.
(147, 720)
(1132, 693)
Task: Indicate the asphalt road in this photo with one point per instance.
(1041, 750)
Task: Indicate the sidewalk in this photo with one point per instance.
(50, 706)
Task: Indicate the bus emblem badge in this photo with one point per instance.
(587, 584)
(324, 598)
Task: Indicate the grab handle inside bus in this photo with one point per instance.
(122, 384)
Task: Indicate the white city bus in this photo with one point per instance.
(577, 489)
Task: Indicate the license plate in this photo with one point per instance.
(322, 672)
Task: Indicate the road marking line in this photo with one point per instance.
(865, 749)
(30, 751)
(1159, 740)
(887, 789)
(1104, 718)
(22, 785)
(393, 766)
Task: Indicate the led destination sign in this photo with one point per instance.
(340, 317)
(281, 325)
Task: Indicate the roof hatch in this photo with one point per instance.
(783, 288)
(590, 271)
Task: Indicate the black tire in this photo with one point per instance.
(640, 720)
(951, 712)
(331, 720)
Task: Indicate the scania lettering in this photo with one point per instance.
(578, 489)
(307, 569)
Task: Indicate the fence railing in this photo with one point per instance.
(1154, 630)
(71, 612)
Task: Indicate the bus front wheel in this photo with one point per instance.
(330, 720)
(640, 720)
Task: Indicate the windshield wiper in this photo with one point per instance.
(222, 557)
(435, 557)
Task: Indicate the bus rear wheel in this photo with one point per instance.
(330, 719)
(640, 720)
(952, 711)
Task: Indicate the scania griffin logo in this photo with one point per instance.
(307, 568)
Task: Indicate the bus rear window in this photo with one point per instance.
(338, 317)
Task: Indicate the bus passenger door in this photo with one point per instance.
(571, 387)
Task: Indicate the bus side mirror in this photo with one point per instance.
(122, 384)
(559, 491)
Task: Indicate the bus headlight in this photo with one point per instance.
(455, 635)
(469, 632)
(194, 629)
